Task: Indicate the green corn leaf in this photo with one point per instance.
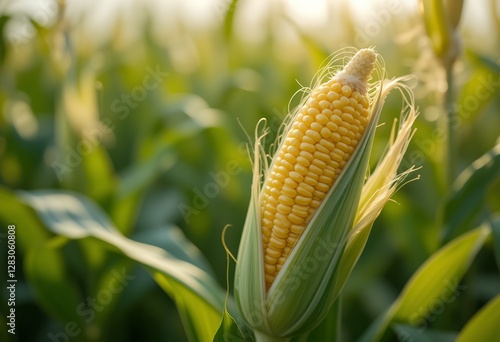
(433, 285)
(469, 192)
(171, 239)
(437, 279)
(197, 295)
(484, 325)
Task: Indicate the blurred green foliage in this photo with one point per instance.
(153, 129)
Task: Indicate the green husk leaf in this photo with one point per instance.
(249, 274)
(352, 252)
(379, 187)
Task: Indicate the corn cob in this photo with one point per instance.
(314, 151)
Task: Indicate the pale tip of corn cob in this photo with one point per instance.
(357, 72)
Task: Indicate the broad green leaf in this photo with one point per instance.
(433, 285)
(469, 192)
(171, 239)
(407, 333)
(483, 326)
(198, 296)
(228, 330)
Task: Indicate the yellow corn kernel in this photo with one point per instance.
(318, 144)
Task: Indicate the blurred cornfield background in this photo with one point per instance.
(144, 108)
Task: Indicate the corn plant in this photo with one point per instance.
(314, 191)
